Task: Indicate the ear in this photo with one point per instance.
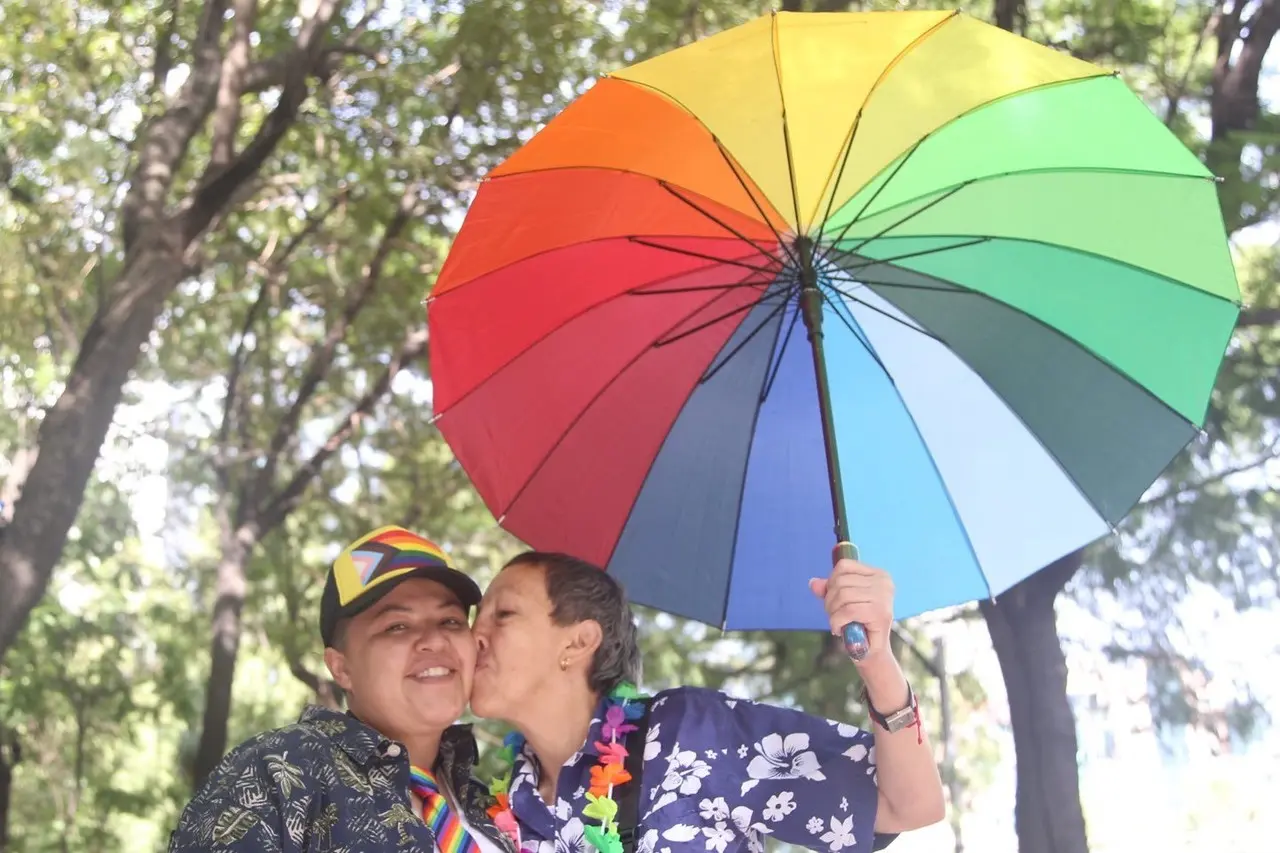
(336, 661)
(584, 638)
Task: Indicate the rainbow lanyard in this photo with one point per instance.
(451, 835)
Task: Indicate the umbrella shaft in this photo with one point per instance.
(811, 310)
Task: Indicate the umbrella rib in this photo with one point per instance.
(857, 118)
(933, 463)
(903, 221)
(786, 131)
(743, 183)
(555, 445)
(742, 484)
(871, 262)
(696, 289)
(768, 318)
(776, 366)
(866, 344)
(717, 220)
(705, 325)
(635, 291)
(640, 241)
(884, 313)
(857, 217)
(964, 290)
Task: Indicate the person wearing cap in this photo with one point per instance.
(395, 772)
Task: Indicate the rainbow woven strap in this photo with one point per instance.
(451, 836)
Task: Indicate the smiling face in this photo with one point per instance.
(407, 662)
(521, 646)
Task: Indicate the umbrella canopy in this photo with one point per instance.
(1015, 280)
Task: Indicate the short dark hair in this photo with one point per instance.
(579, 591)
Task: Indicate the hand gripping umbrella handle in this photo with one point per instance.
(855, 635)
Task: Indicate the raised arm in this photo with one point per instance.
(910, 789)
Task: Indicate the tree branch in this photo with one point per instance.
(166, 139)
(322, 355)
(1259, 317)
(221, 181)
(413, 348)
(1186, 490)
(164, 50)
(226, 112)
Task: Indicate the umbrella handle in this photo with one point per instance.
(855, 635)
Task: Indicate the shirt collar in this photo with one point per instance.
(365, 744)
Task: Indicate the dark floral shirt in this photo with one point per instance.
(326, 784)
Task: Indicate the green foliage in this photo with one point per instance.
(106, 689)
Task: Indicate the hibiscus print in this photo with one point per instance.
(788, 758)
(754, 832)
(685, 772)
(716, 809)
(718, 837)
(779, 806)
(569, 838)
(652, 748)
(840, 836)
(647, 842)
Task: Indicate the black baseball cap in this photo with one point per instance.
(374, 564)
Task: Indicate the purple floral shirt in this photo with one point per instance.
(721, 775)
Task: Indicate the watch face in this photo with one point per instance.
(901, 720)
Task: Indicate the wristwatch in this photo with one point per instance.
(898, 720)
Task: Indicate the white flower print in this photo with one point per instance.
(844, 804)
(580, 793)
(742, 751)
(840, 836)
(814, 826)
(857, 752)
(685, 772)
(779, 806)
(569, 838)
(652, 747)
(732, 703)
(785, 759)
(753, 832)
(647, 842)
(710, 754)
(563, 811)
(844, 729)
(716, 809)
(680, 832)
(718, 837)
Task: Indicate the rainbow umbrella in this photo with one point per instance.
(959, 293)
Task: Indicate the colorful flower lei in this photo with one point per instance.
(609, 774)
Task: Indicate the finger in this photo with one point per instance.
(853, 582)
(863, 614)
(850, 569)
(818, 586)
(851, 598)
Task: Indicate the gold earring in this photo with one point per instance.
(564, 664)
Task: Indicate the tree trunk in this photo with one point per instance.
(1024, 632)
(74, 428)
(10, 754)
(236, 546)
